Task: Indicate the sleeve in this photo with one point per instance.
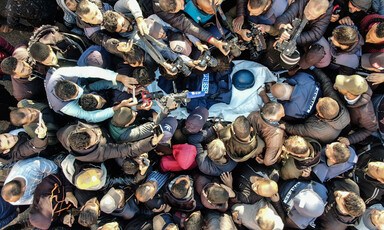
(241, 7)
(205, 165)
(137, 133)
(29, 148)
(273, 151)
(104, 84)
(288, 15)
(131, 5)
(87, 72)
(47, 167)
(327, 86)
(368, 124)
(73, 109)
(6, 47)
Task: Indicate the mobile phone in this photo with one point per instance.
(144, 160)
(40, 119)
(158, 130)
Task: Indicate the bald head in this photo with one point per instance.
(282, 91)
(265, 187)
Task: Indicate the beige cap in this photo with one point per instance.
(354, 84)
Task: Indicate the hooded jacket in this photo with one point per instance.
(103, 149)
(363, 117)
(69, 15)
(186, 204)
(321, 129)
(365, 25)
(353, 49)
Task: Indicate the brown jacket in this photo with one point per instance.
(273, 136)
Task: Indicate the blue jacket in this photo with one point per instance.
(304, 96)
(278, 8)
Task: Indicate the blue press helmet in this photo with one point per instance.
(243, 79)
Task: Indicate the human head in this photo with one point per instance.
(273, 111)
(88, 178)
(350, 86)
(195, 221)
(373, 61)
(89, 212)
(143, 77)
(337, 153)
(90, 102)
(217, 194)
(135, 56)
(71, 4)
(66, 90)
(179, 43)
(282, 91)
(171, 6)
(7, 141)
(376, 170)
(181, 186)
(265, 187)
(123, 117)
(344, 37)
(377, 218)
(171, 226)
(205, 6)
(13, 191)
(89, 12)
(216, 151)
(84, 138)
(375, 35)
(349, 203)
(223, 63)
(146, 191)
(115, 22)
(258, 7)
(196, 120)
(327, 108)
(24, 116)
(130, 166)
(308, 203)
(359, 5)
(315, 8)
(264, 218)
(297, 146)
(242, 128)
(43, 53)
(17, 68)
(113, 200)
(110, 226)
(156, 30)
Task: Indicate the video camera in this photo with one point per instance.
(234, 47)
(257, 44)
(289, 47)
(180, 98)
(206, 58)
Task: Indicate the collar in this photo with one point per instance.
(273, 123)
(351, 102)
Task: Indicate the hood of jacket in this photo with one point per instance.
(364, 99)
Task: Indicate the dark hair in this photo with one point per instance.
(144, 192)
(130, 166)
(88, 217)
(167, 5)
(217, 194)
(16, 116)
(14, 188)
(354, 205)
(136, 54)
(83, 7)
(194, 222)
(142, 76)
(180, 189)
(241, 127)
(380, 30)
(88, 102)
(255, 4)
(65, 90)
(8, 65)
(110, 20)
(270, 109)
(79, 140)
(296, 144)
(329, 108)
(341, 152)
(163, 72)
(223, 63)
(39, 51)
(345, 35)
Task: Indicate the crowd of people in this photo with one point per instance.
(193, 114)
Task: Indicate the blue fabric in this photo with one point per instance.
(197, 15)
(277, 9)
(7, 212)
(159, 178)
(104, 53)
(304, 96)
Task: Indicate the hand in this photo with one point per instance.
(125, 47)
(41, 130)
(145, 107)
(200, 46)
(220, 45)
(275, 197)
(5, 29)
(156, 139)
(171, 104)
(235, 216)
(160, 209)
(259, 159)
(227, 179)
(128, 103)
(285, 35)
(143, 166)
(168, 67)
(237, 23)
(142, 26)
(306, 172)
(346, 21)
(263, 28)
(244, 34)
(344, 140)
(195, 64)
(68, 219)
(69, 197)
(376, 78)
(335, 17)
(130, 82)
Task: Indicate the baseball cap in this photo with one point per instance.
(88, 178)
(355, 84)
(196, 120)
(110, 201)
(373, 60)
(169, 125)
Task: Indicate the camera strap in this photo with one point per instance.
(218, 25)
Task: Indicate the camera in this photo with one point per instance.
(257, 44)
(179, 65)
(206, 58)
